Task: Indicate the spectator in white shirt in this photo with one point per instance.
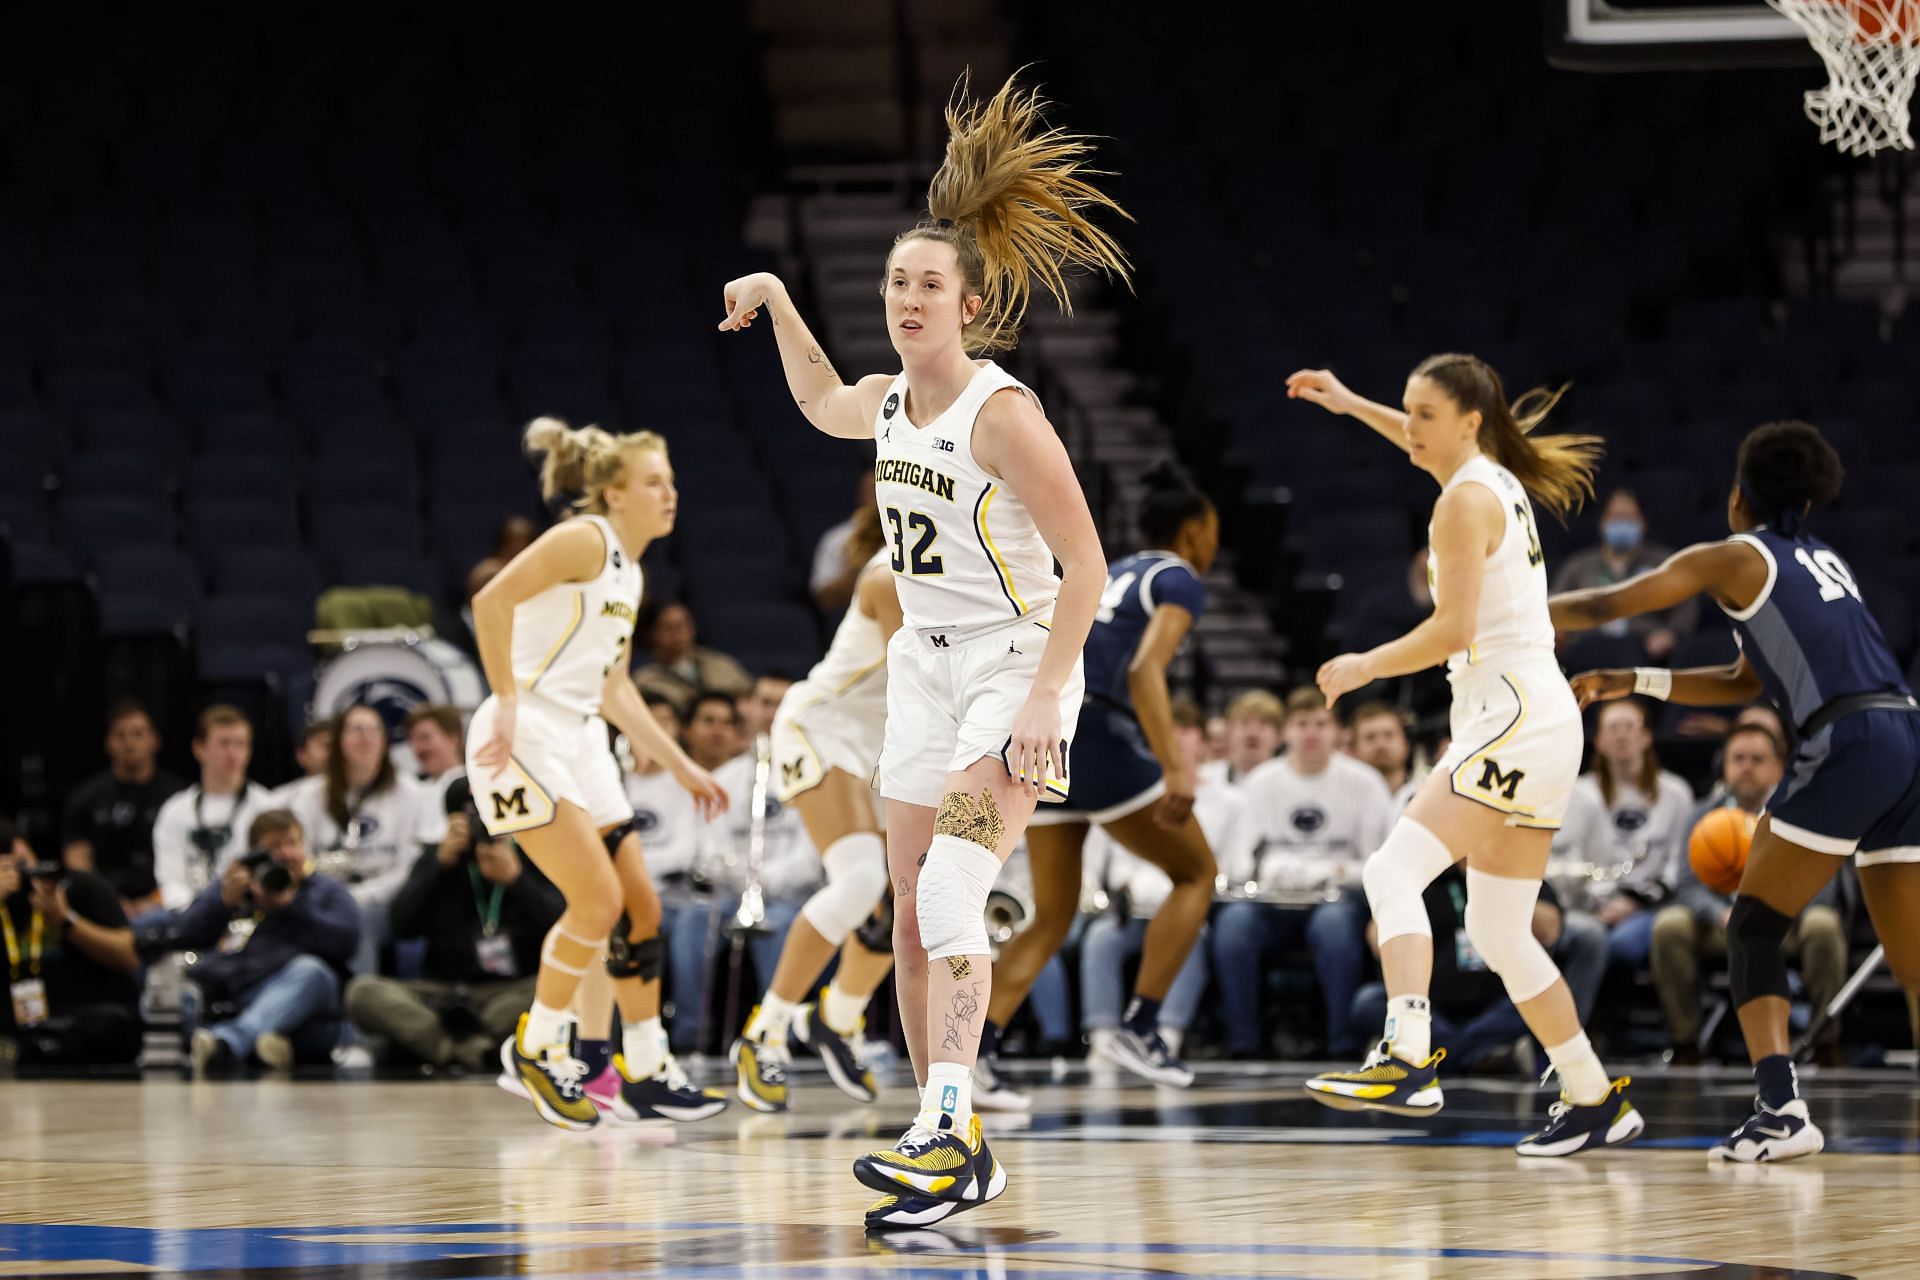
(366, 822)
(1254, 721)
(1379, 733)
(202, 829)
(1118, 937)
(437, 739)
(1316, 815)
(1649, 809)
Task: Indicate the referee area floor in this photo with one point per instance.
(1240, 1176)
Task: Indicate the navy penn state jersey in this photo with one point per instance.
(1809, 635)
(1136, 586)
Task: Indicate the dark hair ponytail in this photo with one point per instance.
(1172, 499)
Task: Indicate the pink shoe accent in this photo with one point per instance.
(604, 1088)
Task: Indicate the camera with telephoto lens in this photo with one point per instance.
(459, 799)
(273, 877)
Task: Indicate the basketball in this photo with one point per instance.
(1718, 847)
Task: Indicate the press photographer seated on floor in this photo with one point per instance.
(274, 941)
(70, 964)
(483, 911)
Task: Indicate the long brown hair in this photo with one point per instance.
(1557, 470)
(1647, 777)
(1008, 198)
(337, 783)
(583, 460)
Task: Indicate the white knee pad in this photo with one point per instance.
(856, 878)
(1398, 873)
(952, 898)
(1500, 927)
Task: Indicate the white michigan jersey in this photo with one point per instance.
(1513, 621)
(566, 638)
(963, 548)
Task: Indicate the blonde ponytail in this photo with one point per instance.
(1009, 198)
(583, 460)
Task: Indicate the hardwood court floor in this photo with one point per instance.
(318, 1180)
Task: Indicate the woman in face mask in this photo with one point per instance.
(1623, 552)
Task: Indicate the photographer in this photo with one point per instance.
(274, 940)
(484, 912)
(202, 829)
(70, 963)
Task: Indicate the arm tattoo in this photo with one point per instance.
(816, 356)
(965, 1005)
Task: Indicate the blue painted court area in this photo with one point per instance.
(725, 1249)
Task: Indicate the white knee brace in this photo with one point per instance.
(856, 878)
(1398, 873)
(1500, 927)
(952, 898)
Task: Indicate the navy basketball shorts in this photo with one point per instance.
(1854, 787)
(1114, 771)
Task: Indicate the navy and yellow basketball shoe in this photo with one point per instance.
(555, 1080)
(936, 1162)
(667, 1094)
(907, 1211)
(1383, 1083)
(849, 1075)
(762, 1072)
(1572, 1128)
(1770, 1136)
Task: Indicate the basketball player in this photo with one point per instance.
(1498, 794)
(979, 499)
(554, 628)
(826, 742)
(1810, 644)
(1134, 784)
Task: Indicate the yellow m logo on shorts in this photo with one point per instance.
(1492, 779)
(515, 804)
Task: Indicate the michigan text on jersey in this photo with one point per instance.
(901, 471)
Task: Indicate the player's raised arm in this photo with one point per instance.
(1733, 573)
(1319, 386)
(827, 402)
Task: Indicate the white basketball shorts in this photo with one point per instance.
(814, 731)
(1517, 740)
(557, 755)
(951, 699)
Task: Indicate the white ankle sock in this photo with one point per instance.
(545, 1026)
(642, 1048)
(840, 1011)
(1409, 1030)
(949, 1092)
(1580, 1071)
(770, 1021)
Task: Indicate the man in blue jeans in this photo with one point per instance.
(275, 941)
(1312, 817)
(1472, 1017)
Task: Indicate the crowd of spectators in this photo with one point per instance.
(360, 912)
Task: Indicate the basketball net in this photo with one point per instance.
(1872, 52)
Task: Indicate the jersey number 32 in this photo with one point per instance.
(918, 560)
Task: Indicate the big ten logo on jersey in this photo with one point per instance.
(511, 804)
(944, 446)
(1497, 781)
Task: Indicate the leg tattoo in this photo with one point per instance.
(976, 821)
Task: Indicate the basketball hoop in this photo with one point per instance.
(1872, 52)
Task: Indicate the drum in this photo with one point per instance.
(394, 674)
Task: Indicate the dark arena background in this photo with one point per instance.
(282, 286)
